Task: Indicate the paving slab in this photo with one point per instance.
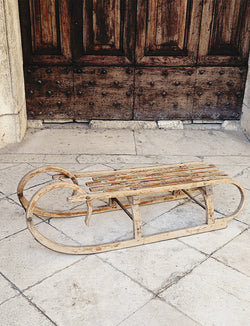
(41, 159)
(180, 142)
(6, 290)
(10, 177)
(210, 241)
(75, 141)
(213, 294)
(12, 218)
(155, 265)
(158, 313)
(103, 228)
(19, 311)
(136, 160)
(25, 262)
(90, 292)
(186, 214)
(236, 253)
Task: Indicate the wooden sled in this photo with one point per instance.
(174, 181)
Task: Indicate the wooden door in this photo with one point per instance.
(134, 59)
(166, 53)
(223, 55)
(78, 58)
(104, 55)
(191, 59)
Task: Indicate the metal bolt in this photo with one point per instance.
(79, 92)
(140, 72)
(152, 83)
(91, 83)
(79, 71)
(128, 71)
(29, 71)
(199, 93)
(39, 82)
(31, 92)
(238, 94)
(241, 72)
(210, 83)
(221, 72)
(164, 93)
(175, 104)
(208, 104)
(58, 82)
(164, 72)
(104, 93)
(188, 93)
(32, 112)
(48, 71)
(116, 83)
(40, 103)
(59, 103)
(116, 104)
(50, 114)
(218, 93)
(202, 72)
(128, 93)
(139, 93)
(227, 104)
(190, 72)
(103, 71)
(230, 83)
(68, 93)
(49, 93)
(91, 103)
(176, 83)
(151, 103)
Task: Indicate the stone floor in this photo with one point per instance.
(196, 280)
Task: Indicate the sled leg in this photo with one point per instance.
(208, 197)
(134, 203)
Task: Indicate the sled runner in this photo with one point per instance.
(158, 184)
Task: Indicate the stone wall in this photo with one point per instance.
(13, 118)
(245, 118)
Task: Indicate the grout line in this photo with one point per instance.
(126, 318)
(182, 312)
(135, 144)
(29, 300)
(207, 257)
(181, 276)
(54, 273)
(231, 267)
(122, 272)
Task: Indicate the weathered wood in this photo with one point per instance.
(177, 189)
(154, 46)
(222, 26)
(167, 32)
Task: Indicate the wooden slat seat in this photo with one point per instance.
(155, 177)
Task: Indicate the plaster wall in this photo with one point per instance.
(245, 117)
(13, 119)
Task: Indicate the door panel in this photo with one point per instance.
(219, 92)
(162, 93)
(49, 92)
(104, 93)
(45, 31)
(167, 32)
(224, 38)
(106, 32)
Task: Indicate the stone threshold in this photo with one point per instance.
(233, 125)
